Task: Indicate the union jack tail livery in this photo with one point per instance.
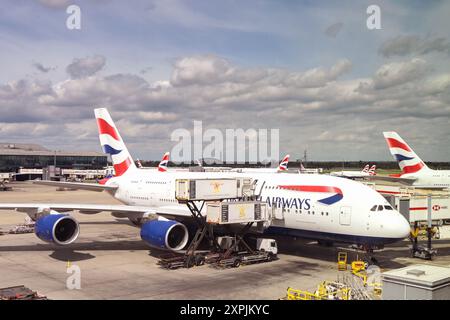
(407, 159)
(283, 166)
(162, 167)
(366, 169)
(112, 143)
(372, 170)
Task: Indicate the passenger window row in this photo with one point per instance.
(304, 211)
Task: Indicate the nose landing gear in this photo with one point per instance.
(369, 258)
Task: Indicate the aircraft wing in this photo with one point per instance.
(76, 185)
(405, 181)
(119, 211)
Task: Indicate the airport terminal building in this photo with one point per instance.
(19, 155)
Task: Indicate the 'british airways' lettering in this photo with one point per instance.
(289, 203)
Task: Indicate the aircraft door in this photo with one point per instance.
(345, 216)
(277, 213)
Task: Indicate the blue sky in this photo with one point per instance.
(363, 81)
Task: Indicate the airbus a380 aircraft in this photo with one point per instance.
(414, 171)
(314, 206)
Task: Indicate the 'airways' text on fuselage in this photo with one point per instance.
(289, 203)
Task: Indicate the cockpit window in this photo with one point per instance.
(379, 207)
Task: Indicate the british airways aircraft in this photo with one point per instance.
(365, 172)
(414, 171)
(162, 166)
(316, 207)
(282, 167)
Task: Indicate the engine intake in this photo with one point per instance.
(61, 229)
(165, 234)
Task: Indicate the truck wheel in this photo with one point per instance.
(236, 263)
(190, 263)
(200, 261)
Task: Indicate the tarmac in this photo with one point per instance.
(116, 264)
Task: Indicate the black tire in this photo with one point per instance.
(190, 263)
(200, 261)
(237, 263)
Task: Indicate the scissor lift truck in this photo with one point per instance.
(266, 254)
(230, 203)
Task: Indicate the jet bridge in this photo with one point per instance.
(231, 203)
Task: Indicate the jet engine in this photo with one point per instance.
(57, 228)
(165, 234)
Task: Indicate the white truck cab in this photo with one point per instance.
(268, 245)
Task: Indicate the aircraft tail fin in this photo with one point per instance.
(373, 170)
(407, 159)
(162, 167)
(112, 143)
(366, 169)
(283, 166)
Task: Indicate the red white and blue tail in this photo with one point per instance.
(283, 166)
(366, 169)
(139, 164)
(407, 159)
(373, 170)
(162, 167)
(112, 143)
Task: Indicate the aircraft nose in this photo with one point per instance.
(404, 227)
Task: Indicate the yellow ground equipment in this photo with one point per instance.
(342, 261)
(377, 288)
(294, 294)
(327, 290)
(359, 270)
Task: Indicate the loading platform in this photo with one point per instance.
(229, 204)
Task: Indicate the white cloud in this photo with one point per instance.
(414, 44)
(397, 73)
(311, 107)
(84, 67)
(54, 3)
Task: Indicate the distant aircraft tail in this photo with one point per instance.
(366, 169)
(162, 167)
(302, 168)
(283, 166)
(407, 159)
(112, 143)
(139, 164)
(373, 170)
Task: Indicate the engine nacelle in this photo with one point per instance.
(58, 228)
(165, 234)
